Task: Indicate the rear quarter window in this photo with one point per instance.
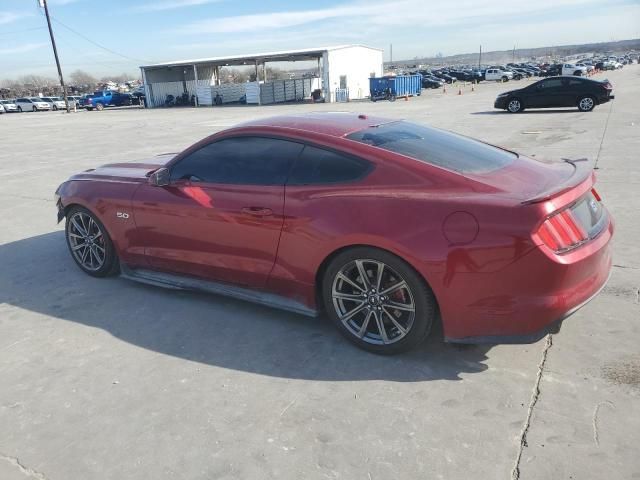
(436, 147)
(319, 166)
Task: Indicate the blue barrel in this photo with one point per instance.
(397, 86)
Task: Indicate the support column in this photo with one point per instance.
(195, 75)
(147, 90)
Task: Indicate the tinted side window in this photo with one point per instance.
(319, 166)
(240, 160)
(556, 82)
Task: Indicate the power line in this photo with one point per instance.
(96, 43)
(23, 30)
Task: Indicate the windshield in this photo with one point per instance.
(436, 147)
(36, 99)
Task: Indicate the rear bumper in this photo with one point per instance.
(526, 300)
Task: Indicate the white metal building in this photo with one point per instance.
(343, 72)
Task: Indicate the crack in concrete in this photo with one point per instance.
(594, 420)
(515, 472)
(626, 266)
(29, 472)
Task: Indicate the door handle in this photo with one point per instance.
(257, 211)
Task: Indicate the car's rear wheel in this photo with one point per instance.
(514, 105)
(89, 243)
(586, 104)
(377, 301)
(20, 109)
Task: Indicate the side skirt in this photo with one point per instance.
(180, 282)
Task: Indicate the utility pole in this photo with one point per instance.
(480, 57)
(513, 57)
(43, 3)
(391, 53)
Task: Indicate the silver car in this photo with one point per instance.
(31, 104)
(55, 102)
(1, 108)
(9, 106)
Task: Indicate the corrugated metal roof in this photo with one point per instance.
(268, 56)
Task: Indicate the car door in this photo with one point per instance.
(221, 215)
(546, 94)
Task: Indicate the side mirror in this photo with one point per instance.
(160, 178)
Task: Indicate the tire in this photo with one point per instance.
(89, 243)
(505, 79)
(392, 98)
(99, 106)
(55, 108)
(19, 109)
(514, 105)
(34, 109)
(586, 103)
(359, 319)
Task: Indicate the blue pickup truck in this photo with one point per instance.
(106, 98)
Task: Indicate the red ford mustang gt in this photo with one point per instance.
(386, 225)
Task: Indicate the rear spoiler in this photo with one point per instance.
(582, 171)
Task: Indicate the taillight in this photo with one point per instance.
(561, 232)
(574, 225)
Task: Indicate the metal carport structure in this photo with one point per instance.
(198, 76)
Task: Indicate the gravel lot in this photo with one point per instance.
(108, 379)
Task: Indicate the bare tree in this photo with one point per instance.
(82, 79)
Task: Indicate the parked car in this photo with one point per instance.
(74, 100)
(55, 102)
(431, 82)
(552, 71)
(583, 93)
(107, 98)
(9, 106)
(218, 218)
(573, 69)
(496, 74)
(447, 78)
(32, 104)
(2, 108)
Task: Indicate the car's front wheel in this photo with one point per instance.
(378, 301)
(99, 106)
(514, 105)
(586, 104)
(89, 243)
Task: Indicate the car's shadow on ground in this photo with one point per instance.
(38, 275)
(527, 112)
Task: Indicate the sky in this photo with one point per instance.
(117, 36)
